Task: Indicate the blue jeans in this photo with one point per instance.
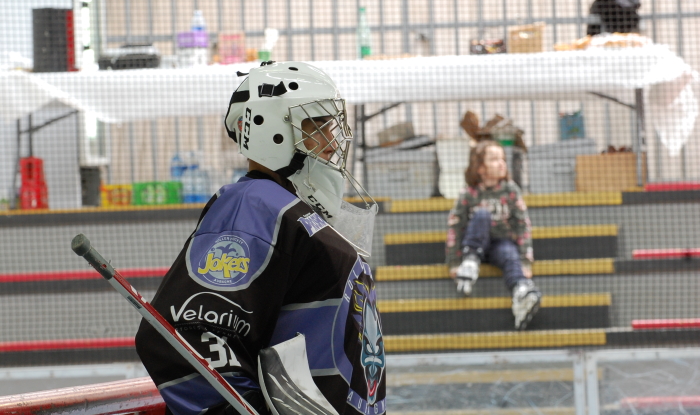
(502, 253)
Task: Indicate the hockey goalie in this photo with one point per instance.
(274, 271)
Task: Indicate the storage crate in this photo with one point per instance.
(613, 172)
(526, 38)
(157, 193)
(115, 195)
(402, 174)
(552, 167)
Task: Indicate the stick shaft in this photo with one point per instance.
(82, 247)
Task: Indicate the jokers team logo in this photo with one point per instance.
(226, 262)
(366, 319)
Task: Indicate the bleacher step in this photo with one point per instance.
(540, 268)
(471, 315)
(549, 243)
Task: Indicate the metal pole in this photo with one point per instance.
(154, 148)
(679, 40)
(334, 18)
(365, 179)
(177, 135)
(455, 7)
(13, 196)
(173, 23)
(505, 40)
(381, 26)
(200, 134)
(608, 127)
(132, 163)
(657, 139)
(312, 32)
(265, 11)
(30, 136)
(405, 40)
(405, 32)
(290, 53)
(243, 16)
(220, 15)
(127, 20)
(480, 18)
(592, 393)
(641, 133)
(580, 383)
(150, 21)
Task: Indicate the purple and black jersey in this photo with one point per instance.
(260, 268)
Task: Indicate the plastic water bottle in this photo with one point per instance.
(177, 167)
(363, 34)
(198, 24)
(195, 185)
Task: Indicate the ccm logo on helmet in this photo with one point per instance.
(246, 128)
(320, 207)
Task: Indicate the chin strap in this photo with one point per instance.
(296, 164)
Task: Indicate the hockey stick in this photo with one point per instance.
(82, 247)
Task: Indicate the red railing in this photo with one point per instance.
(137, 396)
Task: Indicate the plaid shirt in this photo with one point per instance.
(509, 219)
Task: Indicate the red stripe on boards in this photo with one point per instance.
(36, 345)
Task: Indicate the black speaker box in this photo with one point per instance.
(53, 33)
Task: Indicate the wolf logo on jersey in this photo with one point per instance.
(366, 319)
(372, 351)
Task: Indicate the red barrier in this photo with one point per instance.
(125, 396)
(665, 253)
(671, 186)
(673, 323)
(659, 402)
(88, 274)
(35, 345)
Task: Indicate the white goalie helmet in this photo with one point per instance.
(290, 118)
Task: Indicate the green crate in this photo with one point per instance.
(156, 193)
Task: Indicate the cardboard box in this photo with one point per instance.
(232, 48)
(116, 195)
(156, 193)
(613, 172)
(526, 38)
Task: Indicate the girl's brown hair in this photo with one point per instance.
(476, 160)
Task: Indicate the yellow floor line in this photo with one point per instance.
(573, 199)
(578, 231)
(439, 204)
(436, 204)
(481, 376)
(127, 208)
(499, 340)
(540, 268)
(489, 303)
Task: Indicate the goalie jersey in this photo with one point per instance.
(261, 267)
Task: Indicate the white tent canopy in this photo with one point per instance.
(133, 95)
